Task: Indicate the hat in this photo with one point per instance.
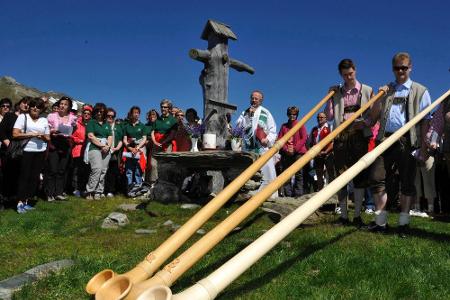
(87, 107)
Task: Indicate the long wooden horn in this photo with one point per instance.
(121, 287)
(209, 287)
(155, 259)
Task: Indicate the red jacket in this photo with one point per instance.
(79, 139)
(298, 139)
(323, 133)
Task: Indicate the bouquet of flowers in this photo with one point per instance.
(194, 131)
(237, 132)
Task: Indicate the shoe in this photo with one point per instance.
(110, 195)
(51, 199)
(77, 193)
(358, 222)
(369, 211)
(89, 197)
(97, 197)
(28, 207)
(21, 208)
(418, 213)
(341, 222)
(403, 231)
(374, 227)
(61, 197)
(102, 196)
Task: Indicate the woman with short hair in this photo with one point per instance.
(34, 132)
(100, 140)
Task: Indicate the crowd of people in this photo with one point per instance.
(91, 153)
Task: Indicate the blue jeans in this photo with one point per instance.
(132, 167)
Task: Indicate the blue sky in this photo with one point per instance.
(128, 53)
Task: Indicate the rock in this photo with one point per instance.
(257, 177)
(279, 208)
(190, 206)
(216, 183)
(128, 207)
(15, 283)
(145, 231)
(251, 185)
(114, 220)
(165, 192)
(168, 223)
(201, 231)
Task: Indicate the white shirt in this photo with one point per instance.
(40, 126)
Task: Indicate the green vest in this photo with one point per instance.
(415, 95)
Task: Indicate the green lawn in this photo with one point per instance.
(319, 262)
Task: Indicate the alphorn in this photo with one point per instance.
(121, 287)
(155, 259)
(209, 287)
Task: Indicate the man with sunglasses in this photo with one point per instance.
(403, 100)
(351, 144)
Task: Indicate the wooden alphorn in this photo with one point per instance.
(156, 258)
(209, 287)
(122, 287)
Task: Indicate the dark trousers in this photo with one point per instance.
(80, 174)
(322, 163)
(397, 158)
(57, 165)
(113, 179)
(295, 189)
(30, 168)
(11, 169)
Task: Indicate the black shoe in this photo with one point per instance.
(341, 222)
(358, 222)
(374, 227)
(403, 231)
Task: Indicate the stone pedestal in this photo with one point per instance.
(212, 171)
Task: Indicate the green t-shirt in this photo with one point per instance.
(136, 131)
(164, 125)
(100, 131)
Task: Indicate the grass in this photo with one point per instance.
(313, 262)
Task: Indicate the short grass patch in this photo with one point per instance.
(314, 262)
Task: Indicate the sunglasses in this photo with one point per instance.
(110, 116)
(164, 106)
(402, 68)
(34, 106)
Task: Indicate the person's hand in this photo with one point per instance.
(105, 149)
(6, 142)
(334, 88)
(134, 150)
(264, 142)
(384, 88)
(433, 145)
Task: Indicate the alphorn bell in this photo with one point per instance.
(155, 259)
(209, 287)
(121, 287)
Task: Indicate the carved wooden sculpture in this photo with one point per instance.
(214, 76)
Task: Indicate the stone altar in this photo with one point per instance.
(221, 166)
